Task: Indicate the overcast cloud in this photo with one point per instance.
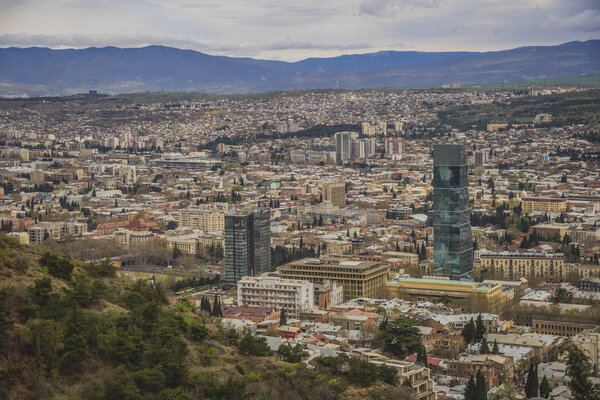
(275, 29)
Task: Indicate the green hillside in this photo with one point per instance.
(70, 330)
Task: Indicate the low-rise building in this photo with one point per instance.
(517, 265)
(294, 296)
(470, 296)
(360, 278)
(56, 230)
(544, 204)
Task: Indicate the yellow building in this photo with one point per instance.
(335, 193)
(360, 278)
(408, 258)
(470, 296)
(202, 219)
(515, 265)
(545, 204)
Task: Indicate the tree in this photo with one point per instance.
(470, 389)
(480, 387)
(58, 265)
(545, 388)
(292, 354)
(578, 369)
(479, 329)
(531, 384)
(282, 317)
(422, 355)
(483, 347)
(468, 332)
(216, 310)
(119, 386)
(495, 349)
(400, 336)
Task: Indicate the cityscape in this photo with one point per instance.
(427, 241)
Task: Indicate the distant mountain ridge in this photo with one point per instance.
(43, 71)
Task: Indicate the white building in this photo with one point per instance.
(290, 294)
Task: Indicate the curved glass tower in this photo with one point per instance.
(452, 243)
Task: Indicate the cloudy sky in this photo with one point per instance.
(293, 30)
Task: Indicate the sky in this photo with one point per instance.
(293, 30)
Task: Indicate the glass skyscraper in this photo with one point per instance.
(452, 243)
(247, 245)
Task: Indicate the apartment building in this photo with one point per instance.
(335, 193)
(56, 230)
(496, 369)
(545, 204)
(515, 265)
(589, 342)
(202, 219)
(294, 296)
(128, 238)
(415, 375)
(468, 295)
(559, 326)
(359, 278)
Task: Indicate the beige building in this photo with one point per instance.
(359, 278)
(515, 265)
(201, 219)
(589, 343)
(335, 193)
(126, 238)
(470, 296)
(545, 204)
(43, 230)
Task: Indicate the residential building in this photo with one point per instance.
(561, 326)
(453, 247)
(468, 295)
(515, 265)
(496, 369)
(56, 230)
(328, 294)
(294, 296)
(359, 278)
(247, 245)
(544, 204)
(342, 147)
(335, 193)
(394, 146)
(202, 219)
(589, 343)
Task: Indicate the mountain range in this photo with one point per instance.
(39, 71)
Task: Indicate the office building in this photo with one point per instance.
(294, 296)
(453, 247)
(515, 265)
(469, 296)
(359, 278)
(342, 147)
(247, 245)
(545, 204)
(335, 193)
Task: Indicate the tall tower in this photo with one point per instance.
(452, 244)
(247, 245)
(342, 147)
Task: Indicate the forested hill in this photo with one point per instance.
(38, 71)
(70, 330)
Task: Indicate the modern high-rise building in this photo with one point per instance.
(362, 148)
(247, 245)
(394, 146)
(451, 215)
(342, 147)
